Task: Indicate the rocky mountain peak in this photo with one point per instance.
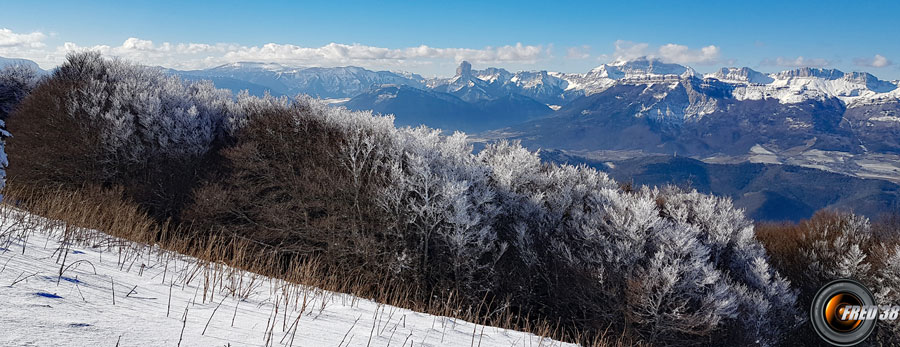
(464, 69)
(741, 75)
(828, 74)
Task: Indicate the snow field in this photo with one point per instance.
(86, 288)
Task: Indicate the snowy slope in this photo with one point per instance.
(114, 292)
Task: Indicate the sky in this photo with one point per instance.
(432, 37)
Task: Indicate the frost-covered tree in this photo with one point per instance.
(446, 206)
(887, 287)
(833, 245)
(97, 121)
(16, 81)
(143, 112)
(683, 267)
(759, 297)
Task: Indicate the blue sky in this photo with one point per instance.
(431, 37)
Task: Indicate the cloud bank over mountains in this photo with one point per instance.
(797, 62)
(200, 55)
(878, 61)
(670, 53)
(191, 55)
(31, 40)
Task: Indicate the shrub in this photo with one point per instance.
(681, 267)
(442, 197)
(108, 122)
(289, 182)
(16, 81)
(833, 245)
(379, 200)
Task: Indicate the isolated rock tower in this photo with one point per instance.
(464, 69)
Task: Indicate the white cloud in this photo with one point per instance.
(683, 55)
(200, 55)
(629, 50)
(878, 61)
(10, 39)
(27, 46)
(336, 53)
(581, 52)
(797, 62)
(670, 53)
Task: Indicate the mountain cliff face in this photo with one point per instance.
(4, 62)
(641, 70)
(741, 75)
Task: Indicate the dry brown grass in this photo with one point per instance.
(222, 260)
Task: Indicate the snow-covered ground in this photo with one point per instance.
(117, 293)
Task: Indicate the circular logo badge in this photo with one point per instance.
(840, 314)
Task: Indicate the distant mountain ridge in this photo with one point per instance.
(337, 82)
(4, 62)
(554, 88)
(728, 111)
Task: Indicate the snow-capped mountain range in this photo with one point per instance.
(554, 88)
(789, 86)
(639, 104)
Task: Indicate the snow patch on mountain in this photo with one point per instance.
(885, 119)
